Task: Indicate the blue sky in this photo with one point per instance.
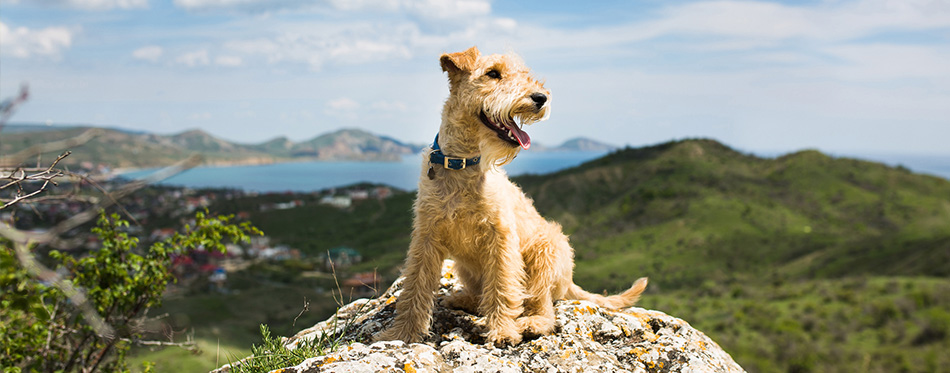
(843, 76)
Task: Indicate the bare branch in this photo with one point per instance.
(46, 176)
(8, 107)
(188, 345)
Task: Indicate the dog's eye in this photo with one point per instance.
(494, 74)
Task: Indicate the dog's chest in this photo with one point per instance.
(461, 218)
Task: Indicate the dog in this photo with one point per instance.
(512, 263)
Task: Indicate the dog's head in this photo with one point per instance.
(495, 96)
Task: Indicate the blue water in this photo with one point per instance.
(311, 176)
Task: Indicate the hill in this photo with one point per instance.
(584, 145)
(121, 148)
(799, 263)
(351, 144)
(801, 215)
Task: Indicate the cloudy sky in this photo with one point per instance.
(843, 76)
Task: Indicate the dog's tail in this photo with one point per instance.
(622, 300)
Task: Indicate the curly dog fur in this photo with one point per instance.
(512, 262)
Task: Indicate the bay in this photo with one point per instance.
(319, 175)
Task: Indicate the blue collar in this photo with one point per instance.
(453, 163)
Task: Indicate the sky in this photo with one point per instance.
(841, 76)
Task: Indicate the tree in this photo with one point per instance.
(86, 312)
(39, 328)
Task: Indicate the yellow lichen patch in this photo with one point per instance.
(409, 368)
(637, 351)
(391, 299)
(653, 365)
(328, 360)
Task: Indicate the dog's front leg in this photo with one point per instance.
(502, 290)
(414, 305)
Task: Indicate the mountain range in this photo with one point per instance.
(122, 148)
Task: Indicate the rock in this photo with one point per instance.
(587, 338)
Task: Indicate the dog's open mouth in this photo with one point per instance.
(508, 131)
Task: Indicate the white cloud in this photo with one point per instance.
(228, 61)
(390, 106)
(149, 53)
(194, 59)
(343, 45)
(22, 42)
(99, 4)
(254, 6)
(883, 61)
(441, 9)
(200, 116)
(343, 104)
(426, 9)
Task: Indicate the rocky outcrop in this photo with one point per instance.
(587, 339)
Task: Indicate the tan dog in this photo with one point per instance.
(512, 263)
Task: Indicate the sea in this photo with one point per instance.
(320, 175)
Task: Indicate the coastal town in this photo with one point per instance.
(156, 213)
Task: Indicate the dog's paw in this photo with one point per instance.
(398, 334)
(507, 335)
(535, 325)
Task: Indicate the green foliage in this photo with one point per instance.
(695, 210)
(42, 331)
(272, 354)
(840, 325)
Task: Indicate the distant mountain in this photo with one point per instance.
(351, 144)
(584, 144)
(280, 146)
(122, 148)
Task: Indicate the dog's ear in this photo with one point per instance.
(454, 63)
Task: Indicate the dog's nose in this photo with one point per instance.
(539, 99)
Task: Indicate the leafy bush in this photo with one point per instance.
(40, 330)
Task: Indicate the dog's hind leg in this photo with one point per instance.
(414, 305)
(548, 261)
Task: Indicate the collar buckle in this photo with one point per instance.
(453, 163)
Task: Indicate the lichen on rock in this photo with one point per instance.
(587, 338)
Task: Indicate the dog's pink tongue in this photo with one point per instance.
(522, 137)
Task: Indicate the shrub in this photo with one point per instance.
(41, 330)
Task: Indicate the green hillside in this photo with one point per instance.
(120, 148)
(802, 263)
(116, 148)
(696, 210)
